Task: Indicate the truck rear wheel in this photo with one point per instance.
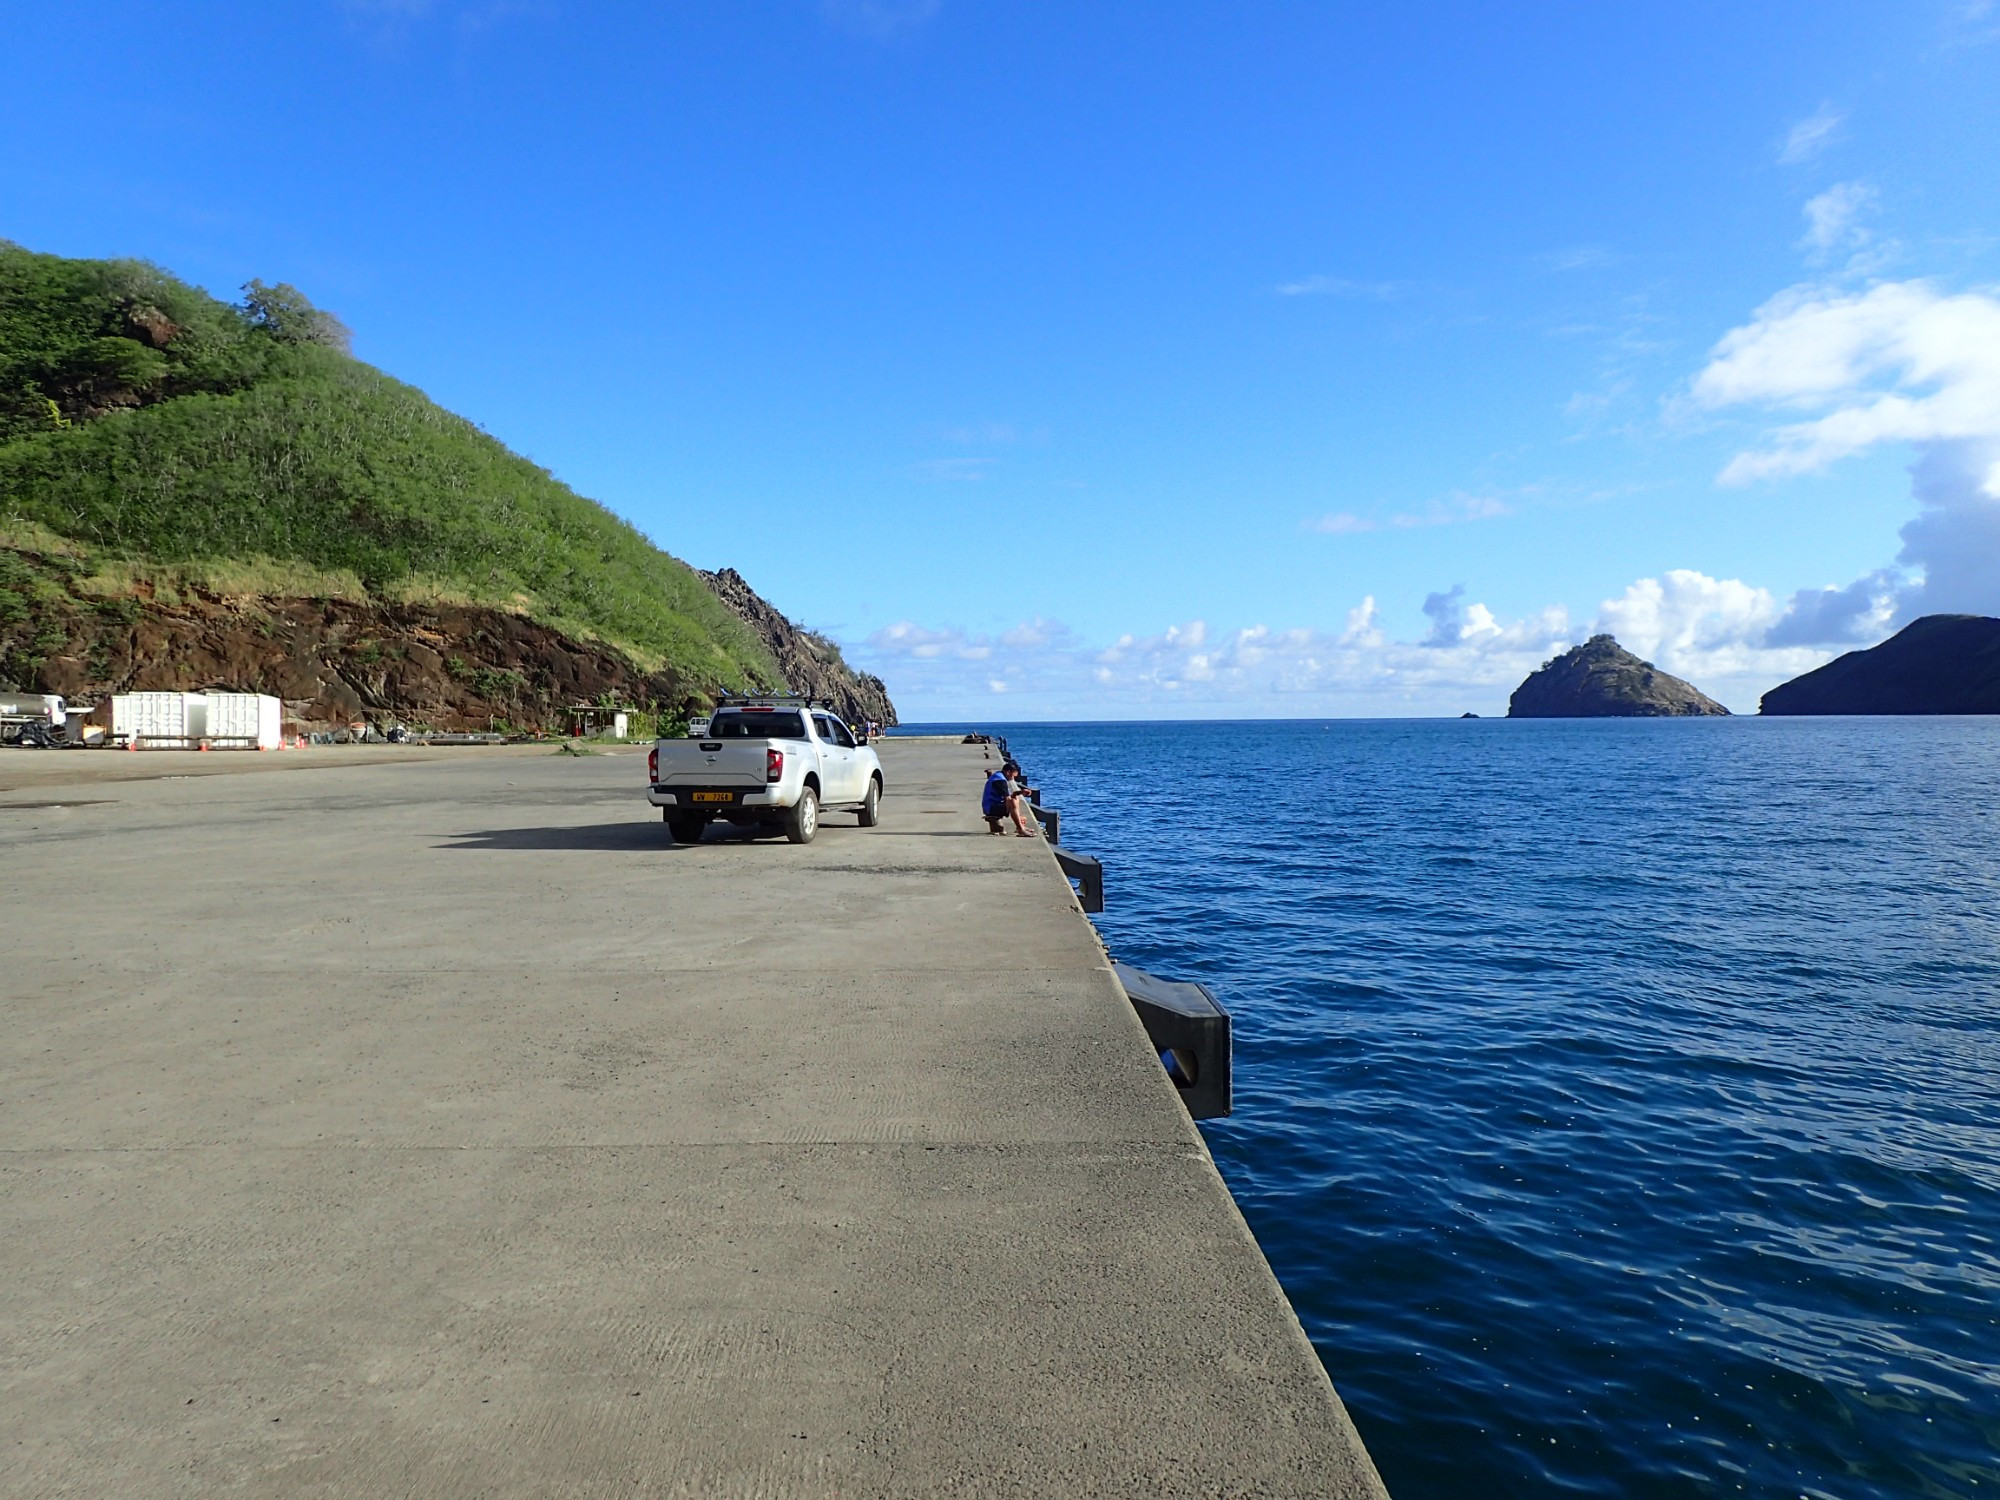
(685, 828)
(802, 820)
(871, 805)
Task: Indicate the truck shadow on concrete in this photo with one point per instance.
(652, 838)
(630, 838)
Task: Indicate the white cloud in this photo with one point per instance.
(1459, 507)
(1033, 634)
(1446, 612)
(1194, 668)
(1858, 614)
(1955, 537)
(1973, 24)
(1833, 219)
(913, 641)
(1361, 627)
(1836, 370)
(953, 470)
(1455, 623)
(1683, 611)
(1721, 634)
(986, 433)
(390, 25)
(1811, 135)
(1583, 405)
(1341, 286)
(880, 19)
(1693, 625)
(1900, 362)
(1578, 258)
(1730, 638)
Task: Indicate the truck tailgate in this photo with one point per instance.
(708, 763)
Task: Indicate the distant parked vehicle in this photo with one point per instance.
(38, 721)
(773, 761)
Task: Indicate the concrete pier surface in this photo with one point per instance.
(429, 1125)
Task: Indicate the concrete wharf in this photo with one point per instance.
(423, 1123)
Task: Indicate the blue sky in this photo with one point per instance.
(1137, 360)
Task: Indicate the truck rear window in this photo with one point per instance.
(772, 726)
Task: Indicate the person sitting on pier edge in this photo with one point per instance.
(1020, 804)
(993, 801)
(1002, 799)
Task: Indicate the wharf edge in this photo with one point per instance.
(431, 1126)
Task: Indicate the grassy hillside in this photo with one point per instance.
(150, 422)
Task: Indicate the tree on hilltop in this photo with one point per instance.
(284, 312)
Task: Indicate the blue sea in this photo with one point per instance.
(1618, 1101)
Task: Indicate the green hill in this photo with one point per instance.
(153, 427)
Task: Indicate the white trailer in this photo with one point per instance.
(237, 719)
(162, 720)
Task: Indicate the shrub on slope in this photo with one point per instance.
(140, 416)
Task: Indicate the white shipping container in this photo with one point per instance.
(245, 717)
(160, 718)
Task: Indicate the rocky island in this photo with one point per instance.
(1940, 664)
(1602, 680)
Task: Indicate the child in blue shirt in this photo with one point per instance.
(1002, 799)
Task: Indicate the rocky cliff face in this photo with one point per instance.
(1602, 680)
(810, 663)
(334, 662)
(1941, 664)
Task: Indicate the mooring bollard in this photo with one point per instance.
(1088, 872)
(1189, 1028)
(1051, 820)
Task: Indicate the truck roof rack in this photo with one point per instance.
(741, 700)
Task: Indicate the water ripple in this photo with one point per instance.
(1616, 1101)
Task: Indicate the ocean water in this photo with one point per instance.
(1618, 1102)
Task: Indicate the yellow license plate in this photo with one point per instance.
(715, 796)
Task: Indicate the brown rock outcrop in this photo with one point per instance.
(810, 663)
(333, 661)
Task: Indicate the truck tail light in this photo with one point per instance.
(774, 765)
(653, 765)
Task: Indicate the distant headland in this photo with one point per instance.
(1602, 680)
(1940, 664)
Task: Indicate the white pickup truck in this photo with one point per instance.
(778, 762)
